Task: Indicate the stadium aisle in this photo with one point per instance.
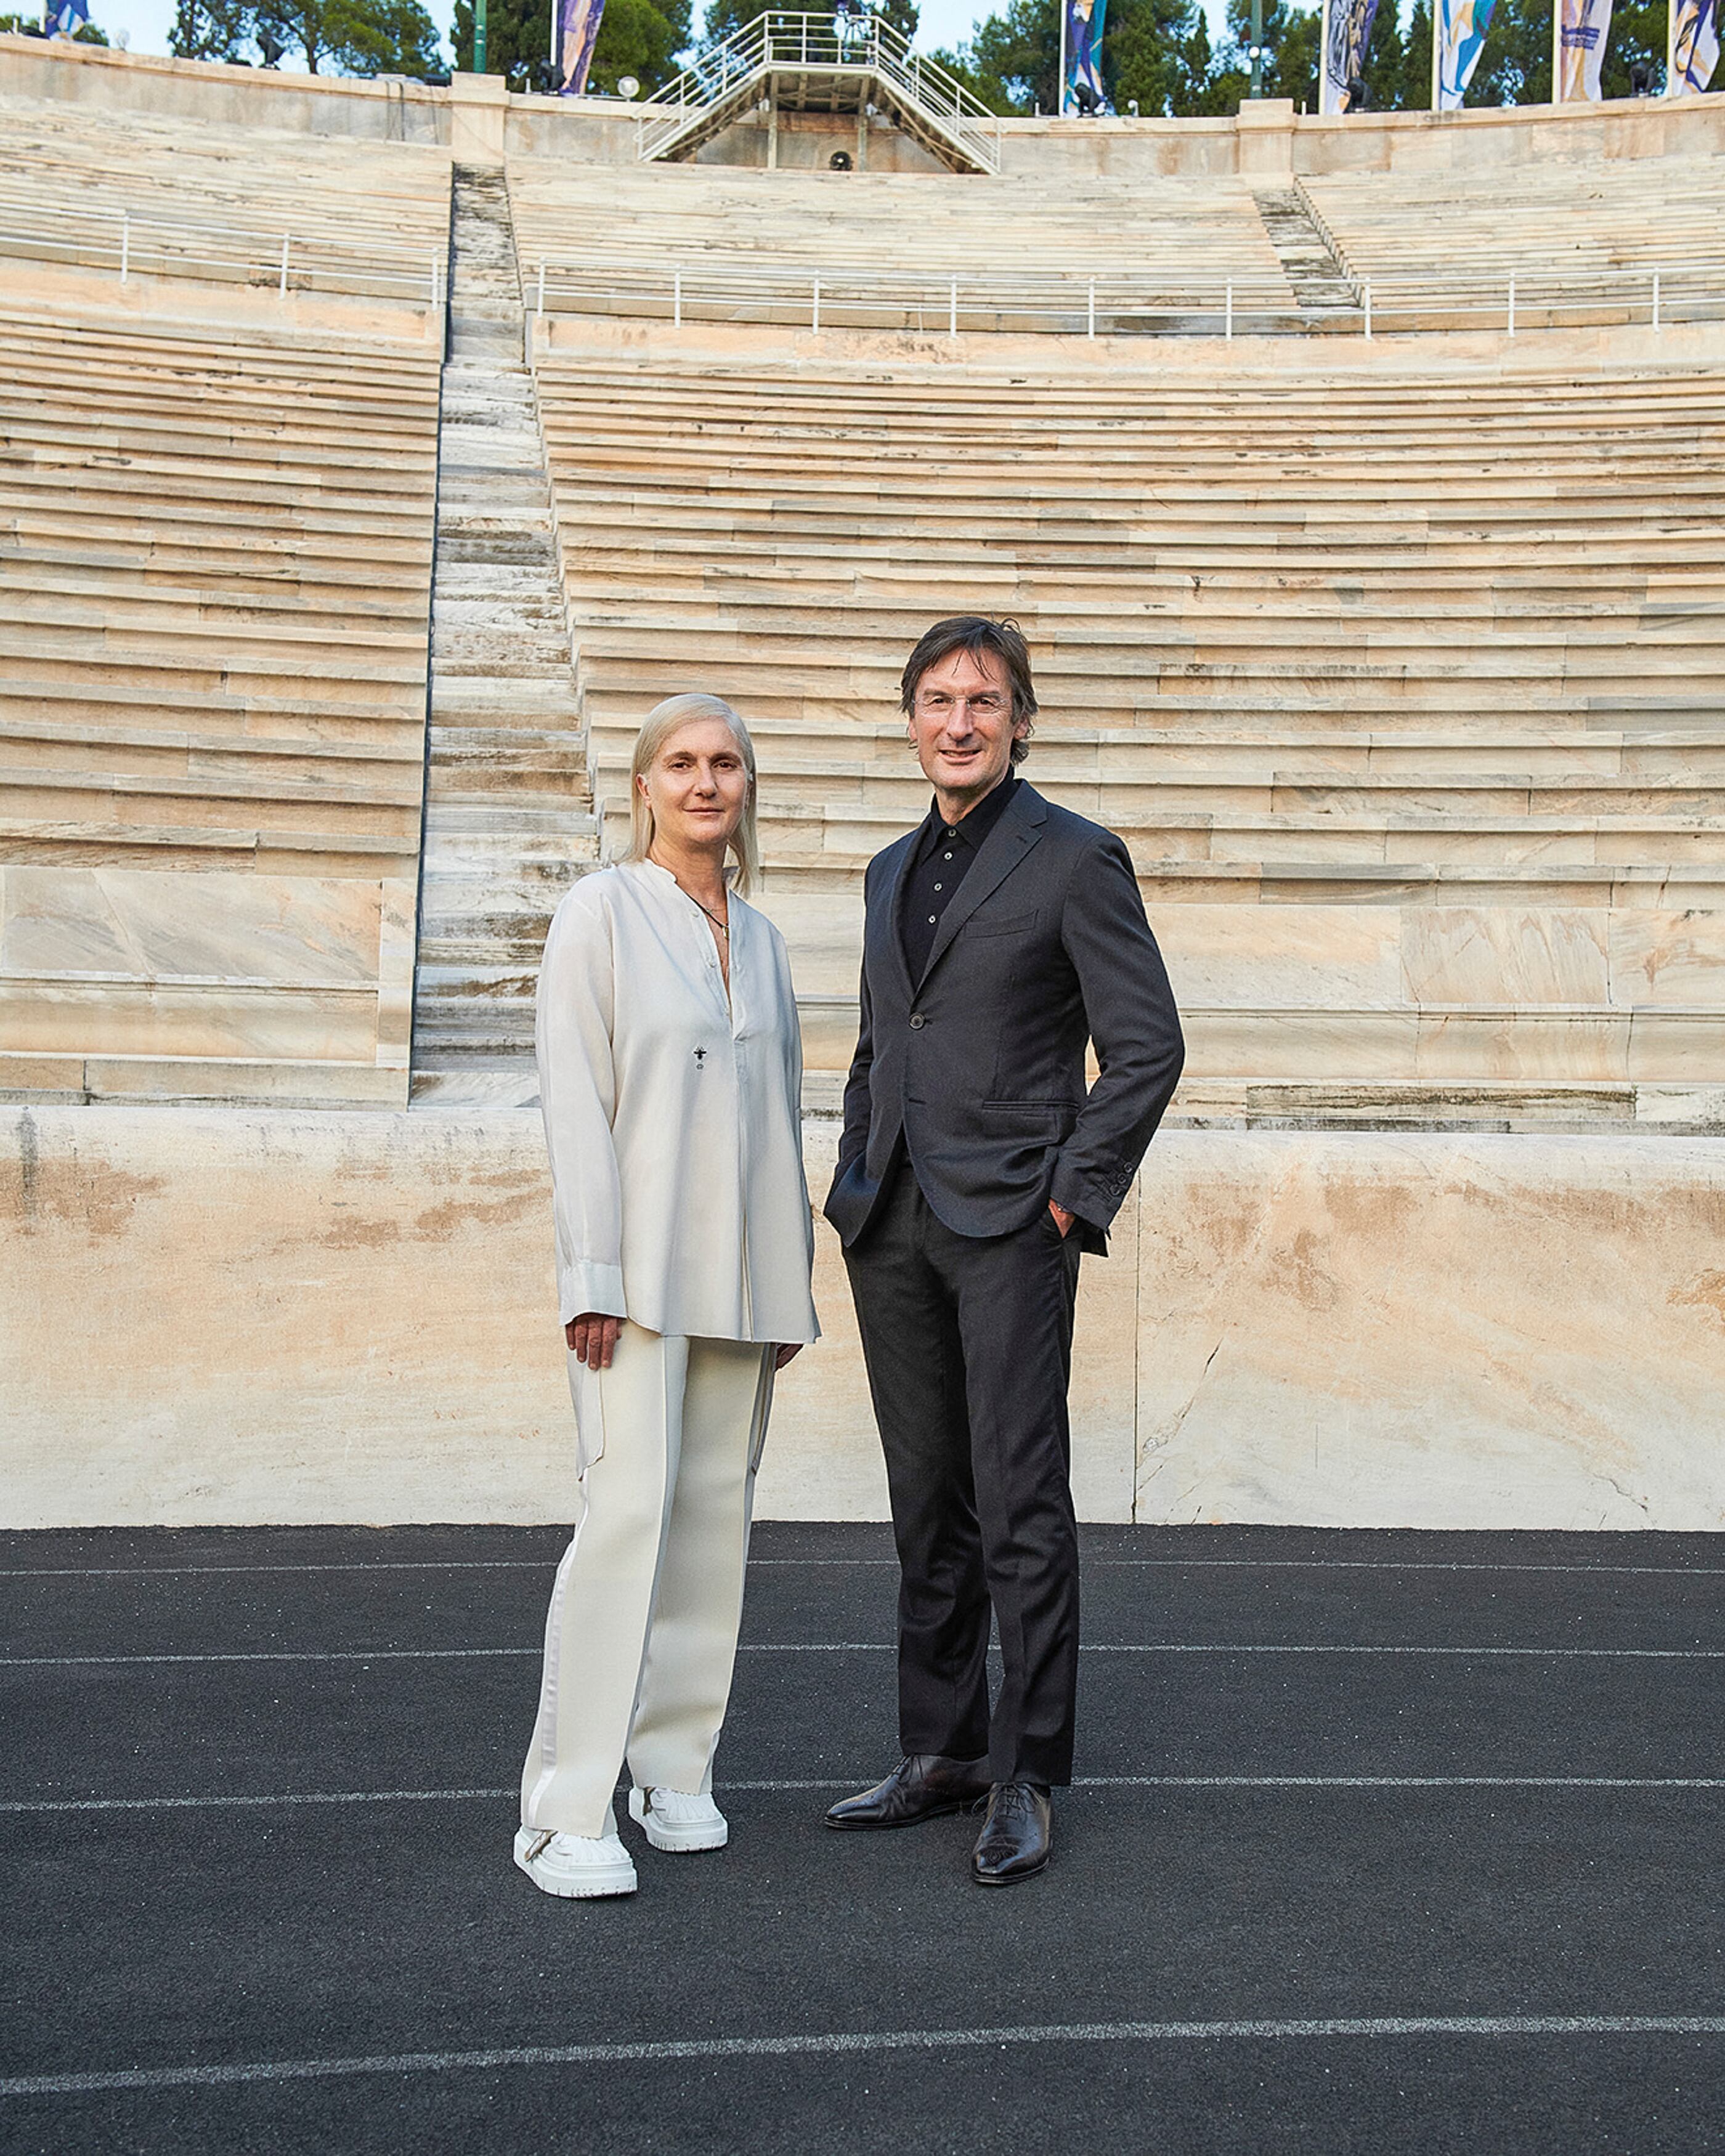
(1380, 1841)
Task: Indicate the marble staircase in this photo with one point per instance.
(508, 823)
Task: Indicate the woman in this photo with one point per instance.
(670, 1076)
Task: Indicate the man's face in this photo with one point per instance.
(963, 729)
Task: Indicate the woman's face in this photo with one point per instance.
(698, 785)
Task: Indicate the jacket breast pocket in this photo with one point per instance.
(986, 924)
(1030, 1115)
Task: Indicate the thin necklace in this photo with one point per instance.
(723, 927)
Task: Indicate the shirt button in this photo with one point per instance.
(937, 886)
(931, 920)
(946, 857)
(917, 1021)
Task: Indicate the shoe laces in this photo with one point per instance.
(1014, 1797)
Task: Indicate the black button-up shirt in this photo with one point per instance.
(939, 864)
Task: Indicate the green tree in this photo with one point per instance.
(517, 38)
(338, 37)
(638, 37)
(1386, 60)
(1156, 53)
(1019, 51)
(1515, 67)
(1416, 60)
(1637, 36)
(210, 30)
(1290, 42)
(725, 15)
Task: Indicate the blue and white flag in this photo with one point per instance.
(1695, 43)
(1346, 33)
(1461, 31)
(577, 29)
(61, 18)
(1582, 28)
(1084, 56)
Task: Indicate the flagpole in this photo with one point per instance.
(1440, 9)
(1557, 52)
(1060, 99)
(1670, 47)
(1323, 59)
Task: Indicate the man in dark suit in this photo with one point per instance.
(1001, 936)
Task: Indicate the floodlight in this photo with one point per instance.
(627, 86)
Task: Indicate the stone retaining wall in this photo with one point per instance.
(246, 1316)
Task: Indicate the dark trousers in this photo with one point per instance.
(969, 1343)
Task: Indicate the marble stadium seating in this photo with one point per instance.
(1402, 694)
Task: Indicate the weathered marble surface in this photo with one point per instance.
(245, 1315)
(116, 963)
(1420, 1330)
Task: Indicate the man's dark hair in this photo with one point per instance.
(976, 634)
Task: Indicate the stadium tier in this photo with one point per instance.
(1585, 238)
(82, 186)
(1402, 693)
(613, 238)
(215, 581)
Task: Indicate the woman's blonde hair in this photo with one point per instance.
(660, 723)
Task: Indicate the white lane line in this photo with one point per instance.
(66, 1807)
(840, 2042)
(869, 1647)
(548, 1562)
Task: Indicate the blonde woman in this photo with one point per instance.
(670, 1076)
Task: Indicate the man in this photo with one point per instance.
(1001, 936)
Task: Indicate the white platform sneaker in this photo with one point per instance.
(578, 1867)
(675, 1820)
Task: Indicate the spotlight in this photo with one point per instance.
(627, 86)
(840, 161)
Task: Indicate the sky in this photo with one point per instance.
(944, 23)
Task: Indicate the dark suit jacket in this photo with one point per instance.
(979, 1066)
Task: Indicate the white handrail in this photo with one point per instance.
(1110, 302)
(40, 231)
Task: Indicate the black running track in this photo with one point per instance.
(1382, 1842)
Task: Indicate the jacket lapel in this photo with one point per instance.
(1012, 838)
(894, 906)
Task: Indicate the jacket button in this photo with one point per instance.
(917, 1021)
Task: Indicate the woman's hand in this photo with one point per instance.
(592, 1339)
(786, 1354)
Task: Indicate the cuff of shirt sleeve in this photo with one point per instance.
(589, 1287)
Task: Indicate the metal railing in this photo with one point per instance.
(134, 246)
(1112, 302)
(820, 43)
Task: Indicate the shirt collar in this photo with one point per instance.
(975, 827)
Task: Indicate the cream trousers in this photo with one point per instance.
(641, 1636)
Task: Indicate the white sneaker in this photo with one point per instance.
(673, 1820)
(578, 1867)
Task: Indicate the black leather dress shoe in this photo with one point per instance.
(921, 1787)
(1017, 1839)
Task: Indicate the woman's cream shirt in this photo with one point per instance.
(674, 1123)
